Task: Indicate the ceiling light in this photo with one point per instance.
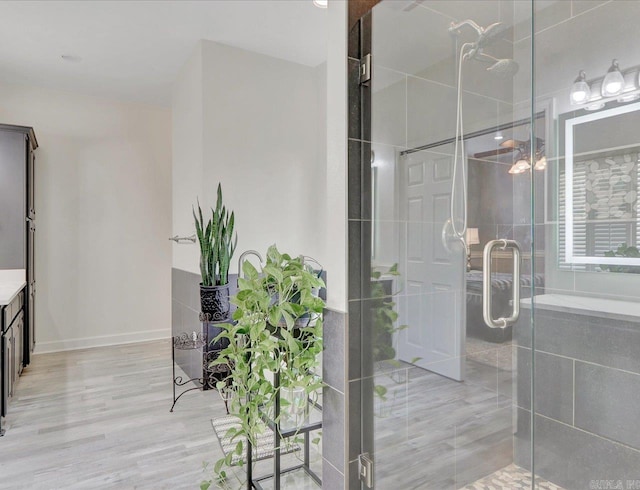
(580, 90)
(71, 57)
(321, 3)
(519, 167)
(613, 83)
(541, 164)
(498, 136)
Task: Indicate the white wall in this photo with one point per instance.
(262, 131)
(261, 121)
(336, 164)
(103, 187)
(187, 170)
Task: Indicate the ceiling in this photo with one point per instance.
(133, 50)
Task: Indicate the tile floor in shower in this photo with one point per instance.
(435, 433)
(511, 477)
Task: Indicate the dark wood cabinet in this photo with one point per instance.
(18, 145)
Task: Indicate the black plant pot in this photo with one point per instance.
(214, 302)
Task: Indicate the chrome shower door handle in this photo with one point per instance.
(486, 283)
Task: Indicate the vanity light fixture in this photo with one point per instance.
(498, 136)
(323, 4)
(614, 86)
(613, 83)
(580, 90)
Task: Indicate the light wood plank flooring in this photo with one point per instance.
(99, 418)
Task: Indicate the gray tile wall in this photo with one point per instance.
(334, 400)
(185, 309)
(587, 398)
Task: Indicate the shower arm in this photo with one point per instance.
(456, 27)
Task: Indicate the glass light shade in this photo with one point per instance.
(321, 3)
(580, 90)
(498, 136)
(613, 83)
(541, 163)
(472, 236)
(519, 167)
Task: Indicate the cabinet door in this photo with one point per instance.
(13, 201)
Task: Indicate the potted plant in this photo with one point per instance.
(217, 246)
(623, 251)
(277, 331)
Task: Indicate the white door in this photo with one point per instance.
(432, 303)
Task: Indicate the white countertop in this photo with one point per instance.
(11, 283)
(584, 305)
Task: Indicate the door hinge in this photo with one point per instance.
(365, 469)
(365, 69)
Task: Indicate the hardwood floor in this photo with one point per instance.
(99, 418)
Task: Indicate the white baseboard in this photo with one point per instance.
(101, 341)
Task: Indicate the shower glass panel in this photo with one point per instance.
(477, 373)
(586, 325)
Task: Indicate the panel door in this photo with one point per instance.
(433, 275)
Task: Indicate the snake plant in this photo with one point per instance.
(217, 243)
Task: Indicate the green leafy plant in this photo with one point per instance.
(277, 329)
(623, 251)
(384, 315)
(217, 243)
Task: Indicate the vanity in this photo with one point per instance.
(12, 334)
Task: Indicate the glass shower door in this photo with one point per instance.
(495, 125)
(450, 115)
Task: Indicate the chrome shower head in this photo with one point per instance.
(490, 33)
(504, 68)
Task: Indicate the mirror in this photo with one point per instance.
(599, 186)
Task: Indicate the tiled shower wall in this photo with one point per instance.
(587, 398)
(185, 310)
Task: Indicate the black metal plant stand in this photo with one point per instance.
(283, 429)
(185, 341)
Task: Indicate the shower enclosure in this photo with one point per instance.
(494, 313)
